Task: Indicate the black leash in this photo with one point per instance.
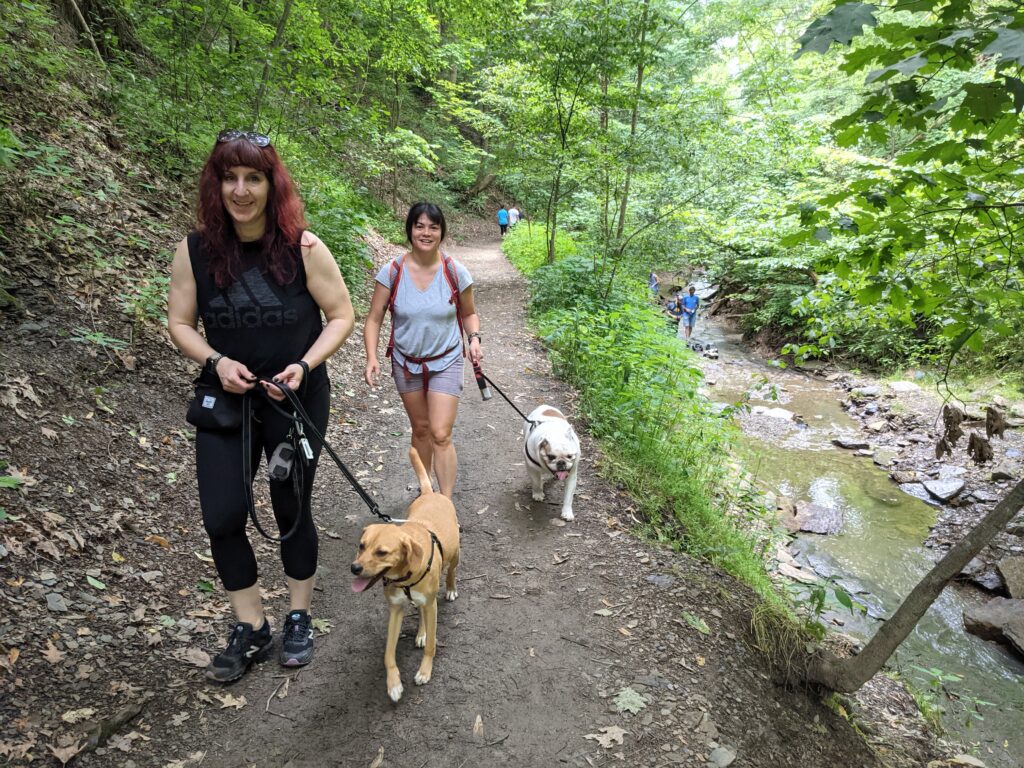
(483, 380)
(299, 417)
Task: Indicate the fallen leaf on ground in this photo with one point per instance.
(603, 612)
(282, 692)
(51, 654)
(610, 736)
(323, 626)
(48, 433)
(180, 718)
(227, 700)
(629, 700)
(7, 660)
(478, 726)
(64, 754)
(159, 540)
(197, 657)
(78, 715)
(697, 623)
(375, 763)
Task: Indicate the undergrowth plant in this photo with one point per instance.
(638, 393)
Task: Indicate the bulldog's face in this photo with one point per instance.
(559, 450)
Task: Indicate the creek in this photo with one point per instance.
(879, 554)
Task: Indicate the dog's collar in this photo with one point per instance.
(430, 562)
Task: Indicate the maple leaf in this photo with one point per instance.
(64, 754)
(629, 700)
(51, 654)
(610, 736)
(229, 701)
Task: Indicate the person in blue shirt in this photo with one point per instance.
(652, 283)
(503, 220)
(674, 309)
(690, 304)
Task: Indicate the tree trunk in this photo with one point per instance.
(620, 228)
(274, 45)
(848, 675)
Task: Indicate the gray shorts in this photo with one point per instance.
(448, 381)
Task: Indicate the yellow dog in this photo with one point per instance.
(409, 559)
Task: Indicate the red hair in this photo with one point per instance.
(279, 245)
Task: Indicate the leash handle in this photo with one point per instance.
(481, 381)
(303, 417)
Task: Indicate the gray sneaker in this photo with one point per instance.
(297, 639)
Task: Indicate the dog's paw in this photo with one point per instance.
(395, 692)
(421, 639)
(568, 515)
(422, 678)
(451, 595)
(538, 495)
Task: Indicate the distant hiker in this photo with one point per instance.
(691, 302)
(260, 281)
(653, 283)
(513, 215)
(430, 296)
(503, 220)
(674, 308)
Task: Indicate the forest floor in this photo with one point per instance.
(111, 606)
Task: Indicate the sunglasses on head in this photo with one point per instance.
(256, 139)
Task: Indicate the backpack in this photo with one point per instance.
(448, 267)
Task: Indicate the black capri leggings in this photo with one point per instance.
(222, 495)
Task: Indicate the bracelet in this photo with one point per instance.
(474, 335)
(305, 370)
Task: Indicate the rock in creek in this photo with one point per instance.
(1014, 632)
(918, 492)
(944, 490)
(816, 518)
(774, 413)
(902, 476)
(869, 391)
(885, 456)
(1004, 471)
(850, 443)
(979, 572)
(1012, 571)
(989, 621)
(903, 386)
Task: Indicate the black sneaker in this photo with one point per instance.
(297, 639)
(245, 646)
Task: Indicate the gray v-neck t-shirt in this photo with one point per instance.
(424, 321)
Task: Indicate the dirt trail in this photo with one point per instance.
(522, 648)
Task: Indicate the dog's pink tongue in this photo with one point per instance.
(359, 584)
(561, 474)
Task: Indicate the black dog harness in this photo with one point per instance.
(430, 562)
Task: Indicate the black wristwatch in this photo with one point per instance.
(211, 362)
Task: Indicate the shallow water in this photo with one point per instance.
(879, 555)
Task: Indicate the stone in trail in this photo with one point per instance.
(903, 386)
(1005, 471)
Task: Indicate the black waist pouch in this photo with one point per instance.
(214, 409)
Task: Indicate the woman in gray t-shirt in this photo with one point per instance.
(431, 303)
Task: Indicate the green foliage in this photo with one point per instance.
(526, 247)
(931, 227)
(638, 394)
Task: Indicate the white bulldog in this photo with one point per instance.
(552, 450)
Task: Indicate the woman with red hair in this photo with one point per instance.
(263, 286)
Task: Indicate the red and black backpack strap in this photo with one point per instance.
(395, 274)
(452, 276)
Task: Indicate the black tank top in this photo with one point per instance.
(254, 320)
